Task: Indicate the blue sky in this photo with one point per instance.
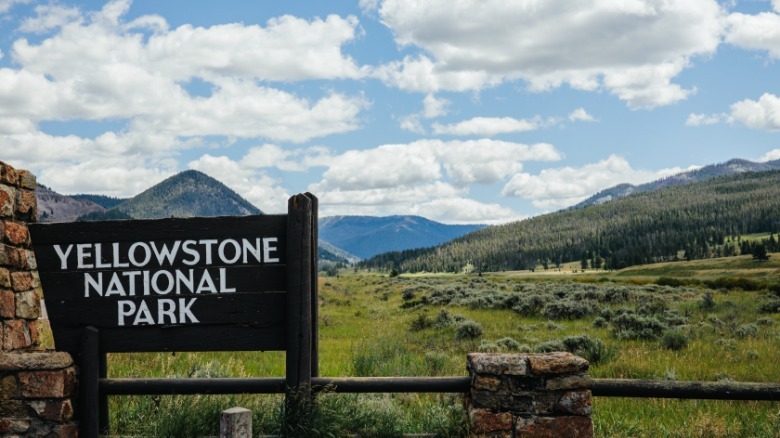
(473, 111)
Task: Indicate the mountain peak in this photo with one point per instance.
(189, 193)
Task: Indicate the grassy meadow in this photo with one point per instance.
(711, 320)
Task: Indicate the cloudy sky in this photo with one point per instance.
(467, 111)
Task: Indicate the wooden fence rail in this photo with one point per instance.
(599, 387)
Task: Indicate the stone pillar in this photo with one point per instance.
(36, 387)
(529, 395)
(20, 301)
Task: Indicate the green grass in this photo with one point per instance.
(370, 326)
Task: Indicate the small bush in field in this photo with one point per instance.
(599, 322)
(530, 305)
(468, 329)
(592, 349)
(747, 331)
(770, 306)
(550, 346)
(674, 340)
(633, 326)
(508, 344)
(488, 347)
(446, 319)
(422, 322)
(569, 309)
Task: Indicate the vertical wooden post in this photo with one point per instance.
(315, 295)
(299, 315)
(103, 398)
(89, 374)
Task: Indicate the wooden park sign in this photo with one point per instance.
(197, 284)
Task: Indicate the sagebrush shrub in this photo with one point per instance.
(746, 331)
(674, 340)
(422, 322)
(468, 329)
(633, 326)
(770, 306)
(569, 309)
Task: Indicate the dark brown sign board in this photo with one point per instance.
(199, 284)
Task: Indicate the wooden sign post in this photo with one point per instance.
(198, 284)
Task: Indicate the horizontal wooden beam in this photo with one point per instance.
(685, 389)
(456, 384)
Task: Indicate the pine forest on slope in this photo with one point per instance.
(690, 221)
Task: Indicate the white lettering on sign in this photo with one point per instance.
(181, 270)
(140, 254)
(164, 313)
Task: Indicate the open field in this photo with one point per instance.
(374, 325)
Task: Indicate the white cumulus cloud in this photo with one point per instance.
(755, 31)
(562, 187)
(762, 114)
(634, 49)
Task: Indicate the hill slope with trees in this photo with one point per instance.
(690, 221)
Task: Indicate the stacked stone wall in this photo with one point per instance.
(36, 387)
(529, 395)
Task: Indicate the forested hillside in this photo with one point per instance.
(683, 221)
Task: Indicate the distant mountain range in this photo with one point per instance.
(367, 236)
(730, 167)
(344, 239)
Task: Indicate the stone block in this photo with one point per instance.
(8, 175)
(5, 278)
(47, 384)
(577, 381)
(22, 281)
(27, 180)
(7, 201)
(26, 205)
(575, 402)
(17, 258)
(27, 259)
(488, 399)
(35, 333)
(16, 335)
(497, 364)
(60, 411)
(9, 387)
(7, 304)
(13, 425)
(487, 382)
(503, 401)
(487, 423)
(11, 408)
(545, 401)
(519, 384)
(9, 256)
(16, 233)
(28, 305)
(555, 427)
(49, 360)
(556, 363)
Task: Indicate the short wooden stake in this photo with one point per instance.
(235, 423)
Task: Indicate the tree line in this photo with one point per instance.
(682, 222)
